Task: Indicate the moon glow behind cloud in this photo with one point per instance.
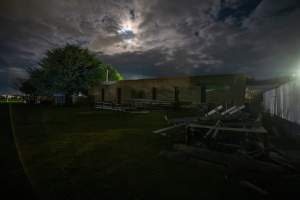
(143, 38)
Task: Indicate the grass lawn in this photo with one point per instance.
(76, 153)
(10, 102)
(12, 175)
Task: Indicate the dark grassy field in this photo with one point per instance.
(13, 180)
(76, 153)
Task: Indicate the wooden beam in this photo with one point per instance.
(213, 111)
(236, 161)
(257, 130)
(228, 110)
(237, 109)
(253, 187)
(212, 129)
(169, 128)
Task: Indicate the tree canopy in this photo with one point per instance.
(68, 70)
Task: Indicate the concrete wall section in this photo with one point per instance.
(219, 89)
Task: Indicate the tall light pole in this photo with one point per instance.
(107, 75)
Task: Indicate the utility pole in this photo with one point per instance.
(107, 75)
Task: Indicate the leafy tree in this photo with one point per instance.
(113, 74)
(69, 70)
(25, 86)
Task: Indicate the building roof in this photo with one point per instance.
(187, 77)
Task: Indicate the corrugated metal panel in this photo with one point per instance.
(284, 101)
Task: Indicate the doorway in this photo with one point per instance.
(119, 95)
(102, 95)
(154, 93)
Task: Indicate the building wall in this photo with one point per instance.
(220, 89)
(284, 101)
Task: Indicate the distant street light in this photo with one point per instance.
(296, 74)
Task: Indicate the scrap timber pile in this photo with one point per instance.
(234, 140)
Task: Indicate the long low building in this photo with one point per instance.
(216, 89)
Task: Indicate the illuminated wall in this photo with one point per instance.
(284, 101)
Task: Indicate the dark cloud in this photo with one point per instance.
(155, 38)
(132, 14)
(235, 11)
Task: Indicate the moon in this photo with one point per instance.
(127, 31)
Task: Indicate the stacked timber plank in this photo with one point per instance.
(235, 140)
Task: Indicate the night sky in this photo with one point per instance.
(155, 38)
